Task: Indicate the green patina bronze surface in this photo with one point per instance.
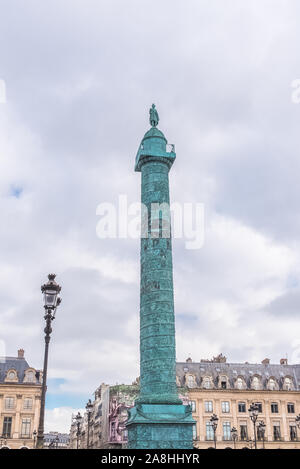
(158, 420)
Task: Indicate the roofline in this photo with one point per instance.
(240, 364)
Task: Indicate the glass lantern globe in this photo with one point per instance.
(51, 290)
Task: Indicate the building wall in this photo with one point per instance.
(20, 400)
(223, 380)
(73, 435)
(236, 418)
(108, 418)
(56, 440)
(19, 393)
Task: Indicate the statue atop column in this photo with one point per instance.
(153, 116)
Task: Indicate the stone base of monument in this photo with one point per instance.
(160, 426)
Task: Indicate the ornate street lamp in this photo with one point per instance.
(50, 290)
(253, 410)
(262, 431)
(214, 423)
(89, 409)
(78, 419)
(234, 434)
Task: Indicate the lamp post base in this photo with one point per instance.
(39, 442)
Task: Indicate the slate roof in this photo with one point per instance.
(18, 364)
(234, 370)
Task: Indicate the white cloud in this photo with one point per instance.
(59, 419)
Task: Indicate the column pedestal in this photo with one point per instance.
(155, 426)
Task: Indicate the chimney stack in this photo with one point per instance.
(21, 353)
(266, 361)
(189, 360)
(283, 361)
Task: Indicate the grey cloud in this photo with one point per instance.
(80, 78)
(287, 305)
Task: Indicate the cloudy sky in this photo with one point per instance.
(80, 77)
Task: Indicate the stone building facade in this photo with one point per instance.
(56, 440)
(108, 417)
(20, 394)
(212, 387)
(228, 390)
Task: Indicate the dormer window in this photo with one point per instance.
(11, 375)
(272, 385)
(29, 376)
(255, 383)
(190, 381)
(287, 384)
(240, 383)
(207, 383)
(223, 382)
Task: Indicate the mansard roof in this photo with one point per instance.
(13, 363)
(234, 370)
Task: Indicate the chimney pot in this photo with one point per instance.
(21, 353)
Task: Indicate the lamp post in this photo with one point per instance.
(253, 410)
(89, 409)
(51, 444)
(78, 419)
(297, 421)
(214, 423)
(262, 431)
(50, 291)
(34, 433)
(234, 434)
